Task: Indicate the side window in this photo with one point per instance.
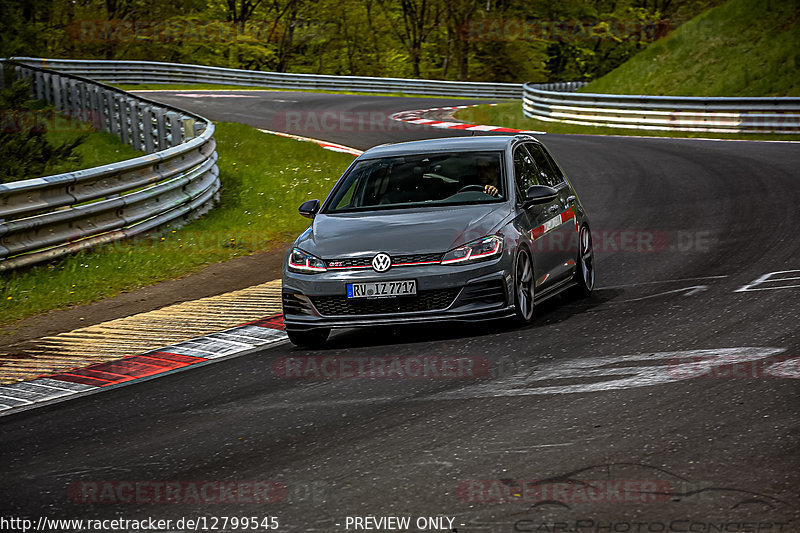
(548, 173)
(524, 170)
(554, 166)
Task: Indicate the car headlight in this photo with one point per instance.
(472, 252)
(300, 261)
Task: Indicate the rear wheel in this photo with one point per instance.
(523, 288)
(584, 273)
(312, 338)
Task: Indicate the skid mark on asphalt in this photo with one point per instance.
(175, 325)
(625, 372)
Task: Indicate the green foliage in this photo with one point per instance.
(572, 39)
(97, 148)
(25, 149)
(740, 48)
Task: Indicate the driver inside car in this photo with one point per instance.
(488, 175)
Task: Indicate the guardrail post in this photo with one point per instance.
(38, 85)
(67, 96)
(122, 112)
(175, 136)
(33, 79)
(113, 114)
(58, 93)
(88, 101)
(136, 125)
(73, 98)
(95, 110)
(47, 83)
(107, 109)
(161, 129)
(80, 92)
(63, 88)
(188, 129)
(147, 129)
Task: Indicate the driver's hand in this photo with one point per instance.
(491, 190)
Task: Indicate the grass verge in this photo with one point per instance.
(98, 148)
(510, 115)
(740, 48)
(264, 179)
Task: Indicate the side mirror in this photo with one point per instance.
(309, 209)
(539, 194)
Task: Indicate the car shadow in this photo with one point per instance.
(552, 311)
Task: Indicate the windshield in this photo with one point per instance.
(421, 180)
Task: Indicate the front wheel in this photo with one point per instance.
(584, 272)
(523, 288)
(312, 338)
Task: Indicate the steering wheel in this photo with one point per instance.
(473, 187)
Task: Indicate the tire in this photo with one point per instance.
(584, 267)
(523, 288)
(312, 338)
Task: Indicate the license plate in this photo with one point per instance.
(382, 289)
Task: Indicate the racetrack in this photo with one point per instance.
(595, 391)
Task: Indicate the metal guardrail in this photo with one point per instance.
(155, 72)
(178, 179)
(676, 113)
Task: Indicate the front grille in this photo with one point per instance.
(396, 260)
(348, 263)
(424, 301)
(416, 258)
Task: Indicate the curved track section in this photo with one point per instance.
(667, 399)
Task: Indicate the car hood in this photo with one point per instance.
(400, 231)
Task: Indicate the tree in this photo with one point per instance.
(24, 149)
(458, 15)
(419, 18)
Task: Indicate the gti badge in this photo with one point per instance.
(381, 262)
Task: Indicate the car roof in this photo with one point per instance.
(446, 144)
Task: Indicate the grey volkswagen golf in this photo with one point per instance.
(465, 228)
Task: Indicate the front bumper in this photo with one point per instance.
(444, 293)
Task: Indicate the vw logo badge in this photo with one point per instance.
(381, 262)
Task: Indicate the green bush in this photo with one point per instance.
(25, 150)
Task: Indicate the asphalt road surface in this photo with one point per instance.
(594, 418)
